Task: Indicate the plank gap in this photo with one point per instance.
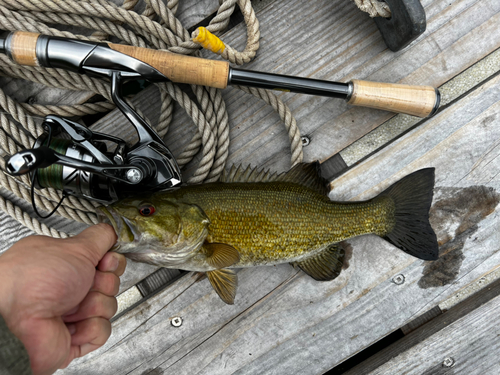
(203, 23)
(421, 320)
(430, 328)
(152, 288)
(367, 353)
(157, 280)
(333, 167)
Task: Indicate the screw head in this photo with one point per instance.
(398, 279)
(448, 362)
(134, 175)
(176, 321)
(305, 141)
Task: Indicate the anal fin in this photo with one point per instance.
(324, 266)
(225, 283)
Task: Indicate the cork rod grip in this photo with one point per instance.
(21, 46)
(421, 101)
(181, 68)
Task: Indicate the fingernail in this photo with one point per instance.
(114, 264)
(71, 328)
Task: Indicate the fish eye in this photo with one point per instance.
(147, 210)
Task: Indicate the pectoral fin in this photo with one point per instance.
(324, 266)
(221, 255)
(225, 283)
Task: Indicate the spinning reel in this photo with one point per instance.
(82, 165)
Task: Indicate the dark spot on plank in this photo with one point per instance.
(455, 216)
(446, 269)
(346, 246)
(155, 371)
(488, 120)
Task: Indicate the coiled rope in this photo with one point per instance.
(155, 27)
(375, 8)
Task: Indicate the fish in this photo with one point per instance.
(252, 217)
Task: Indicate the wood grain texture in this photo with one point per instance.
(23, 48)
(349, 47)
(283, 322)
(181, 68)
(418, 101)
(466, 336)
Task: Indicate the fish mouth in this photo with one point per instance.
(124, 228)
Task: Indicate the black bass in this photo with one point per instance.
(253, 218)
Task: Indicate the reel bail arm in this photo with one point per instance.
(82, 166)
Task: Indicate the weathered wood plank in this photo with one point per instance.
(285, 322)
(350, 48)
(191, 13)
(463, 340)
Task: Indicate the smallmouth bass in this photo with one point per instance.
(254, 218)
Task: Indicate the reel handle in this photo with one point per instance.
(28, 160)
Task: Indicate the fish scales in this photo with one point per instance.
(255, 218)
(278, 221)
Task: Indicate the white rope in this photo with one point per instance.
(375, 8)
(156, 27)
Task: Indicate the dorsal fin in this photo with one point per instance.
(248, 174)
(306, 174)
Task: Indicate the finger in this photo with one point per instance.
(94, 305)
(113, 262)
(106, 283)
(90, 334)
(96, 240)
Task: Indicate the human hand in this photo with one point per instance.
(54, 299)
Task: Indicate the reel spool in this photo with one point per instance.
(70, 180)
(82, 166)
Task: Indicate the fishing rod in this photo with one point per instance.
(99, 59)
(83, 166)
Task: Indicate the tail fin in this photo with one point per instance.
(412, 233)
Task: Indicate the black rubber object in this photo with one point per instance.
(407, 23)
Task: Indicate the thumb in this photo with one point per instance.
(96, 241)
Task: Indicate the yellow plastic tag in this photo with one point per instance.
(209, 41)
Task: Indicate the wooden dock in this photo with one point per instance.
(439, 317)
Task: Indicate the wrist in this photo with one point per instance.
(6, 292)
